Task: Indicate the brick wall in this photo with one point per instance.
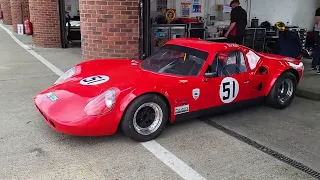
(19, 12)
(6, 9)
(109, 28)
(26, 12)
(44, 16)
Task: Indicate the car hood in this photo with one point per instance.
(96, 76)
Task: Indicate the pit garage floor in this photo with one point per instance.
(197, 149)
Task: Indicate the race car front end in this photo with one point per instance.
(69, 113)
(85, 100)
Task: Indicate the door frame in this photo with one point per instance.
(63, 28)
(145, 29)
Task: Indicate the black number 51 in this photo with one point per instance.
(229, 88)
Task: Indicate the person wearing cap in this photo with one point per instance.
(236, 31)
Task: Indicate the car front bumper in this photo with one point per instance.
(84, 126)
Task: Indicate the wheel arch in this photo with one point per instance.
(275, 78)
(132, 97)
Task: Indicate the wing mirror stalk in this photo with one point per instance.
(211, 74)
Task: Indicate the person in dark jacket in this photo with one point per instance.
(288, 44)
(316, 50)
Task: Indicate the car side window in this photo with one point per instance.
(228, 63)
(243, 65)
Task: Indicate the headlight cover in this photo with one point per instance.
(66, 75)
(101, 104)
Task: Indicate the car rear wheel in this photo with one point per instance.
(283, 91)
(145, 118)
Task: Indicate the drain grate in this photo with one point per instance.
(265, 149)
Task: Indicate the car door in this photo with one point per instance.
(256, 78)
(232, 82)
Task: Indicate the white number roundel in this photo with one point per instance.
(229, 89)
(94, 80)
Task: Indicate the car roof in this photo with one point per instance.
(201, 44)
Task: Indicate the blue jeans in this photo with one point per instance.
(316, 52)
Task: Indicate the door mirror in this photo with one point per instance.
(211, 74)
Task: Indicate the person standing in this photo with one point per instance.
(316, 52)
(236, 31)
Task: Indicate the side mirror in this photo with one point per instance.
(211, 74)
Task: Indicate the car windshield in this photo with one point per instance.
(175, 60)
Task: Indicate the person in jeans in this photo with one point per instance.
(316, 53)
(236, 31)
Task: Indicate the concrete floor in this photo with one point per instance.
(29, 149)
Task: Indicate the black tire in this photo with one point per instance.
(273, 100)
(127, 123)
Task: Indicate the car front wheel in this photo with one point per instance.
(145, 118)
(283, 91)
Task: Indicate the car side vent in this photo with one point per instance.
(263, 70)
(260, 87)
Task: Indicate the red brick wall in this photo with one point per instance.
(26, 12)
(6, 9)
(19, 12)
(109, 28)
(44, 16)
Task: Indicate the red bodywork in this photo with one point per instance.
(66, 115)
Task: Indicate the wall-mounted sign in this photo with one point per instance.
(20, 29)
(196, 6)
(185, 10)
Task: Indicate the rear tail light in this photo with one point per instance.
(101, 104)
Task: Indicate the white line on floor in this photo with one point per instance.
(31, 51)
(169, 159)
(178, 166)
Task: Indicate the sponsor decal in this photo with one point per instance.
(134, 62)
(183, 81)
(195, 93)
(181, 109)
(94, 80)
(181, 101)
(229, 89)
(52, 96)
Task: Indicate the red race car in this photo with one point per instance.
(185, 79)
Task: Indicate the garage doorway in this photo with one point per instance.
(149, 12)
(155, 29)
(69, 23)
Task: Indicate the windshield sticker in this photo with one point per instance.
(196, 93)
(94, 80)
(253, 59)
(232, 45)
(229, 89)
(181, 109)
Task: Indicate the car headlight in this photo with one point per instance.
(101, 104)
(66, 75)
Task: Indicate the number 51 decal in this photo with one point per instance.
(229, 89)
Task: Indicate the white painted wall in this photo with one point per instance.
(296, 12)
(74, 7)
